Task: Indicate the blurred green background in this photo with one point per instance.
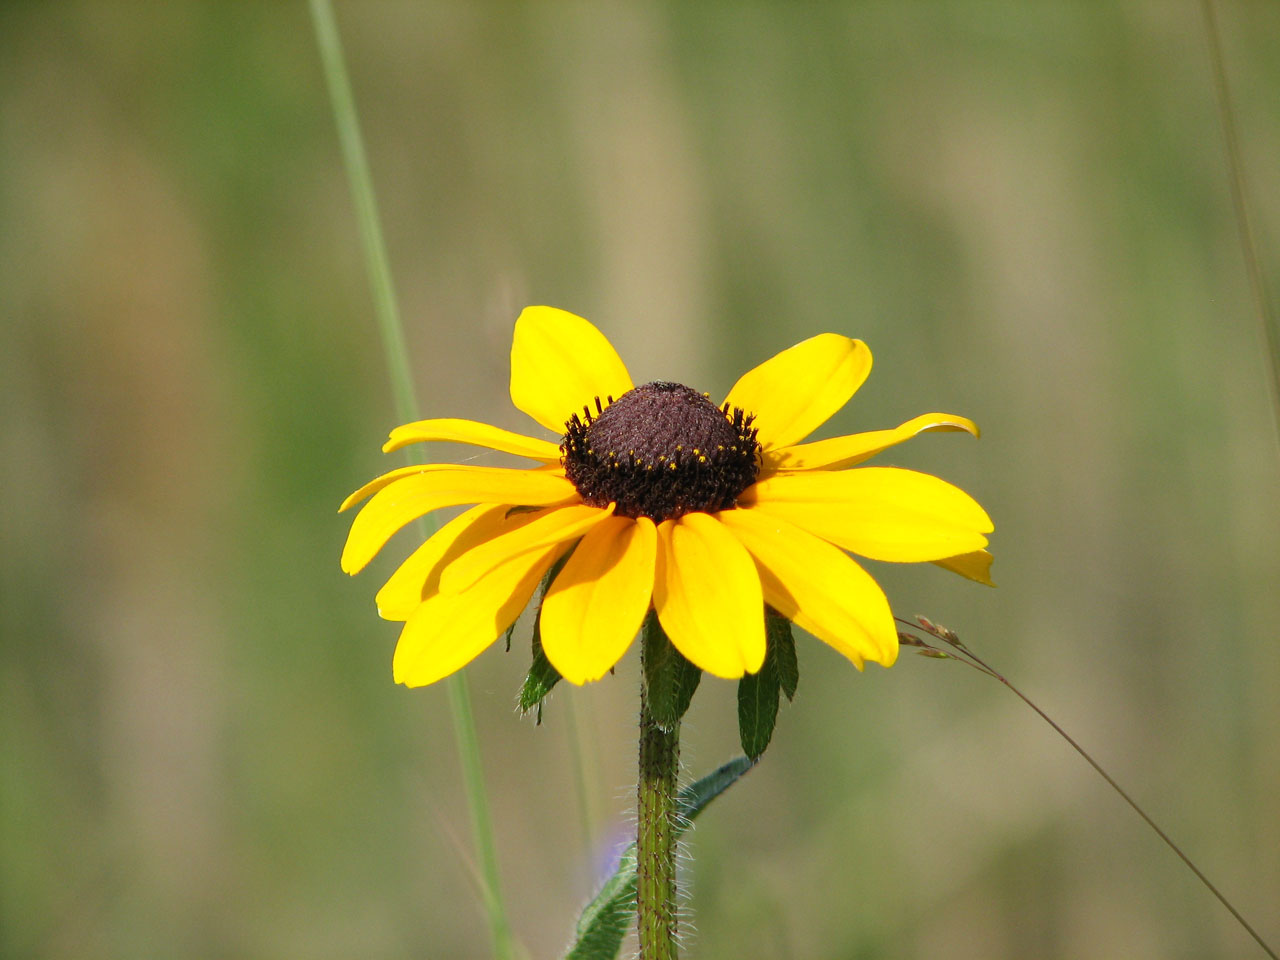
(1022, 208)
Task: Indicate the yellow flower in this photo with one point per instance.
(704, 514)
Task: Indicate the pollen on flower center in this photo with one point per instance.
(661, 450)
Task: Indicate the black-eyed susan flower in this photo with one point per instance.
(661, 500)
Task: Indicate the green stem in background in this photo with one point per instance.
(1240, 200)
(657, 829)
(397, 355)
(386, 309)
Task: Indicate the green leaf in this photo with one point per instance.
(758, 707)
(670, 679)
(607, 917)
(782, 647)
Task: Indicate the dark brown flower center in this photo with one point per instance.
(660, 451)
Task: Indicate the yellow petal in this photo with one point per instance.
(553, 527)
(818, 587)
(884, 513)
(449, 630)
(559, 363)
(377, 483)
(597, 602)
(707, 595)
(419, 575)
(444, 485)
(477, 434)
(841, 452)
(975, 566)
(796, 391)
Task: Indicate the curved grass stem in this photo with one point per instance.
(1240, 201)
(958, 651)
(391, 330)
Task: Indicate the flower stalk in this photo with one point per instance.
(657, 828)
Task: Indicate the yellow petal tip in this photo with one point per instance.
(945, 423)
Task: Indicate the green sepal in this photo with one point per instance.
(782, 647)
(511, 630)
(758, 706)
(670, 680)
(606, 919)
(542, 676)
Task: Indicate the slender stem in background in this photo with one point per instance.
(386, 308)
(1249, 248)
(397, 356)
(656, 830)
(966, 656)
(1240, 199)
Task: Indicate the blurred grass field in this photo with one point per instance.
(1023, 209)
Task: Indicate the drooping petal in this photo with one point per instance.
(475, 433)
(796, 391)
(377, 483)
(976, 566)
(597, 603)
(444, 485)
(555, 526)
(449, 630)
(420, 573)
(818, 587)
(840, 452)
(559, 362)
(884, 513)
(707, 595)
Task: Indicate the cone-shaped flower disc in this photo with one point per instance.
(661, 500)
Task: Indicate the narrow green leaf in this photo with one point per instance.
(694, 798)
(758, 707)
(782, 647)
(670, 679)
(605, 920)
